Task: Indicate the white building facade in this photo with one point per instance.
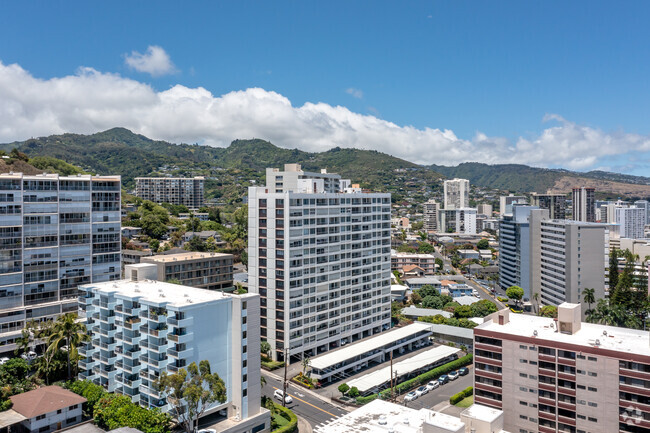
(141, 327)
(631, 222)
(456, 193)
(320, 260)
(462, 221)
(431, 208)
(56, 232)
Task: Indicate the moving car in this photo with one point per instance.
(453, 375)
(463, 371)
(411, 396)
(433, 385)
(279, 394)
(443, 379)
(421, 391)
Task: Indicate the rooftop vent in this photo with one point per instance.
(535, 333)
(605, 333)
(597, 342)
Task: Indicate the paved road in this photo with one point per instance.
(314, 410)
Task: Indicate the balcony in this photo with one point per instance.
(546, 415)
(181, 323)
(176, 338)
(488, 347)
(546, 372)
(162, 332)
(634, 389)
(566, 420)
(488, 402)
(173, 353)
(132, 353)
(544, 429)
(107, 305)
(566, 376)
(490, 374)
(132, 323)
(158, 348)
(566, 361)
(490, 388)
(546, 386)
(87, 364)
(488, 361)
(131, 368)
(566, 391)
(566, 405)
(108, 346)
(634, 373)
(546, 400)
(150, 391)
(627, 403)
(547, 358)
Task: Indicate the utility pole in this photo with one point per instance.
(392, 395)
(284, 382)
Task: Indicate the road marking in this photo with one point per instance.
(315, 407)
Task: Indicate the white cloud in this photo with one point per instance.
(356, 93)
(155, 61)
(91, 101)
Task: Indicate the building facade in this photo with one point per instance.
(506, 202)
(205, 270)
(320, 260)
(141, 327)
(566, 257)
(485, 209)
(555, 203)
(456, 194)
(187, 191)
(56, 233)
(427, 262)
(514, 249)
(645, 205)
(430, 211)
(562, 375)
(461, 221)
(631, 222)
(584, 204)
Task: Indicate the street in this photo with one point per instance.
(313, 409)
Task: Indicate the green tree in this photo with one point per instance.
(440, 263)
(515, 293)
(265, 348)
(67, 331)
(548, 311)
(190, 393)
(589, 297)
(353, 392)
(343, 388)
(425, 248)
(416, 298)
(195, 244)
(306, 362)
(613, 268)
(428, 290)
(154, 244)
(483, 308)
(463, 312)
(483, 244)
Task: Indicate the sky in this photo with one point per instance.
(548, 84)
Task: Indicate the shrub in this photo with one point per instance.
(353, 392)
(454, 399)
(289, 415)
(272, 365)
(502, 299)
(343, 388)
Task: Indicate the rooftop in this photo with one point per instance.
(367, 345)
(44, 400)
(191, 255)
(483, 413)
(423, 280)
(419, 256)
(158, 292)
(454, 331)
(589, 335)
(412, 311)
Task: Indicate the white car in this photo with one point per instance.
(411, 396)
(29, 356)
(433, 385)
(207, 430)
(3, 360)
(421, 391)
(279, 394)
(453, 375)
(475, 293)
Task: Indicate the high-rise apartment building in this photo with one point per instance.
(187, 191)
(320, 259)
(514, 249)
(562, 375)
(644, 204)
(457, 221)
(484, 209)
(631, 222)
(555, 203)
(456, 194)
(140, 328)
(431, 208)
(566, 257)
(584, 204)
(56, 232)
(204, 270)
(506, 202)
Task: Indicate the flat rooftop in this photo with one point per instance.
(381, 416)
(482, 413)
(357, 349)
(609, 337)
(376, 378)
(158, 292)
(190, 255)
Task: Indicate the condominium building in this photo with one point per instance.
(431, 208)
(645, 205)
(187, 191)
(555, 203)
(484, 209)
(506, 202)
(566, 257)
(461, 221)
(631, 222)
(584, 204)
(212, 271)
(320, 259)
(562, 375)
(514, 249)
(294, 177)
(427, 262)
(456, 193)
(56, 232)
(140, 328)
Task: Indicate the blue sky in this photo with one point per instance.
(475, 80)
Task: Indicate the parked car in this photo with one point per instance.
(475, 293)
(443, 379)
(279, 394)
(3, 360)
(207, 430)
(411, 396)
(453, 375)
(421, 391)
(433, 385)
(463, 371)
(29, 356)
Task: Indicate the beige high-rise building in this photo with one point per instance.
(584, 204)
(187, 191)
(431, 209)
(485, 209)
(456, 194)
(555, 203)
(562, 375)
(212, 271)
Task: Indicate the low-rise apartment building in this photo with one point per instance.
(141, 327)
(187, 191)
(562, 375)
(212, 271)
(398, 261)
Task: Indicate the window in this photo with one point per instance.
(592, 404)
(244, 378)
(592, 389)
(523, 417)
(581, 416)
(40, 417)
(523, 375)
(59, 411)
(243, 320)
(523, 388)
(593, 419)
(523, 361)
(581, 357)
(523, 403)
(591, 358)
(581, 386)
(522, 346)
(243, 334)
(592, 374)
(244, 393)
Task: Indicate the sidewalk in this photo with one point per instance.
(304, 426)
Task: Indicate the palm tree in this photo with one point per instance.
(589, 297)
(305, 365)
(536, 299)
(262, 381)
(67, 330)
